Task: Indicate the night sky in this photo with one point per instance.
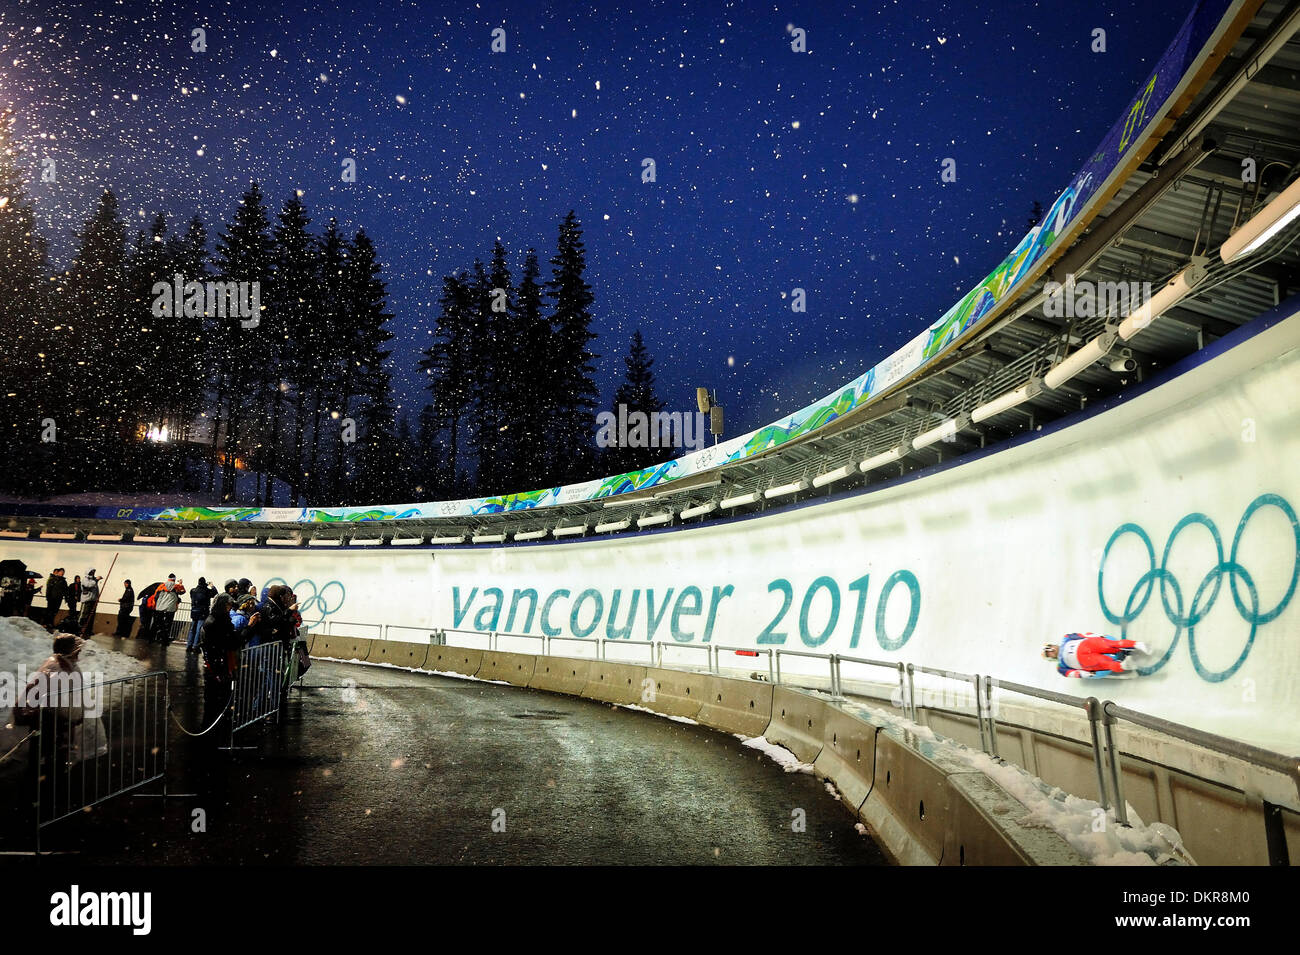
(775, 169)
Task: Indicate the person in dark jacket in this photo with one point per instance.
(221, 641)
(146, 614)
(200, 604)
(56, 589)
(124, 611)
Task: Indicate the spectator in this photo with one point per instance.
(200, 603)
(245, 622)
(56, 589)
(165, 601)
(30, 590)
(219, 640)
(231, 588)
(89, 599)
(73, 596)
(124, 611)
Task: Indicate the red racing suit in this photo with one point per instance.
(1090, 655)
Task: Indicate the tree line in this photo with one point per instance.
(301, 390)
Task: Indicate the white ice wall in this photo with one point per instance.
(1004, 554)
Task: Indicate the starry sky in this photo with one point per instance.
(775, 170)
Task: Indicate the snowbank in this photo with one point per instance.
(24, 646)
(1091, 831)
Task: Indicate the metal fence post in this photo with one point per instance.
(979, 715)
(1116, 770)
(776, 654)
(837, 684)
(1092, 708)
(992, 720)
(911, 694)
(1275, 833)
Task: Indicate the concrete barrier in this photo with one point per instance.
(342, 648)
(910, 800)
(615, 682)
(848, 756)
(736, 706)
(398, 653)
(798, 721)
(985, 827)
(674, 692)
(515, 668)
(463, 660)
(560, 675)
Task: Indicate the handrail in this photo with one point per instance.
(1257, 755)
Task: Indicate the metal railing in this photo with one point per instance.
(95, 742)
(257, 686)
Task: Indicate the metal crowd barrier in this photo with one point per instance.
(96, 741)
(257, 689)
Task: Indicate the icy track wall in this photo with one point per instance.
(1169, 518)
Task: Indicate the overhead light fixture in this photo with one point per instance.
(1085, 357)
(739, 500)
(885, 457)
(488, 538)
(569, 531)
(942, 433)
(699, 509)
(653, 520)
(1005, 402)
(689, 488)
(619, 502)
(1175, 290)
(608, 526)
(830, 477)
(530, 535)
(1263, 226)
(785, 490)
(442, 540)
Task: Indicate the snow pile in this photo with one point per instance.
(667, 716)
(1091, 831)
(24, 646)
(24, 643)
(778, 754)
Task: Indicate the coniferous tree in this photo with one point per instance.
(486, 420)
(149, 381)
(244, 254)
(321, 375)
(189, 340)
(448, 365)
(530, 408)
(637, 393)
(91, 343)
(427, 469)
(295, 299)
(367, 300)
(573, 385)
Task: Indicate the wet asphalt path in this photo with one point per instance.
(377, 765)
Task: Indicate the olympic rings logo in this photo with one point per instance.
(323, 601)
(1201, 603)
